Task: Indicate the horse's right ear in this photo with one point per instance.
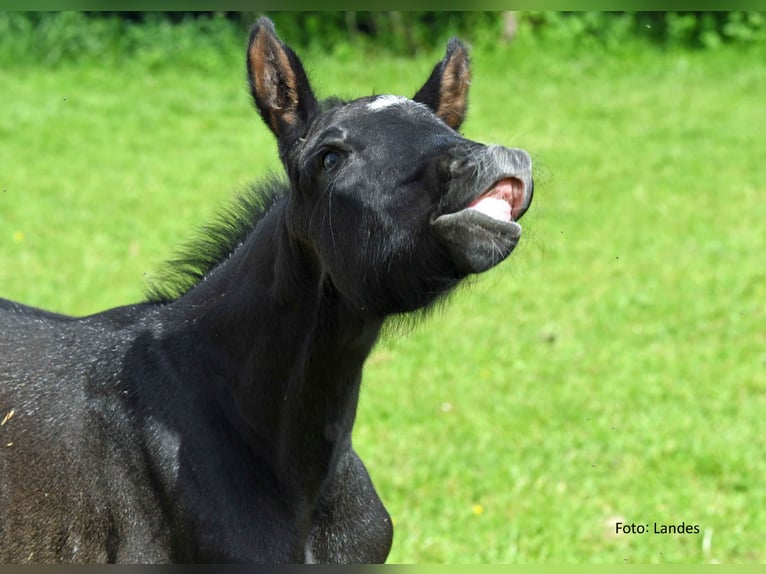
(278, 83)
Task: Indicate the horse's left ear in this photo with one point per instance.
(446, 91)
(278, 83)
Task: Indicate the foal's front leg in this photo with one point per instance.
(351, 525)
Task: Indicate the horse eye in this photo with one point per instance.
(330, 160)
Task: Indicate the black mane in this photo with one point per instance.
(215, 241)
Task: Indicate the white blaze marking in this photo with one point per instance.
(387, 101)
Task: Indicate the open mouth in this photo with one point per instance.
(503, 201)
(485, 232)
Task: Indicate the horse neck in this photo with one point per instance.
(287, 349)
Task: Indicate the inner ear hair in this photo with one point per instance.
(273, 81)
(453, 88)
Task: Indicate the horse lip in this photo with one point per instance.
(474, 240)
(517, 200)
(479, 237)
(490, 224)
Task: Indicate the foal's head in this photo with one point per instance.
(393, 204)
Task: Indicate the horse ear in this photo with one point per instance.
(446, 91)
(278, 82)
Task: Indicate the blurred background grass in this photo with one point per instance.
(614, 369)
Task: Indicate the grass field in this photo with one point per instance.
(614, 369)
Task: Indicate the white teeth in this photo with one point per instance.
(494, 207)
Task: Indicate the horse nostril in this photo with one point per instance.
(457, 167)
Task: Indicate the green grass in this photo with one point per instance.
(614, 367)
